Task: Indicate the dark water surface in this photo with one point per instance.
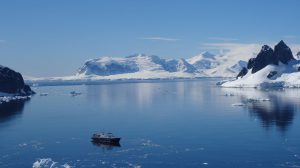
(162, 124)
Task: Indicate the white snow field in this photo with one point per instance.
(7, 97)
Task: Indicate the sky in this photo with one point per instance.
(55, 37)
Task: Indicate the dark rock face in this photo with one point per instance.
(12, 82)
(12, 109)
(267, 56)
(298, 68)
(264, 58)
(250, 63)
(243, 72)
(271, 74)
(283, 53)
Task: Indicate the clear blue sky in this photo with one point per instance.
(55, 37)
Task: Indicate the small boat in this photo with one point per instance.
(105, 138)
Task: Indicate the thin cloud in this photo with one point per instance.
(159, 38)
(222, 39)
(243, 48)
(227, 46)
(295, 48)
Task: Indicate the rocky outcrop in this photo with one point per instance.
(12, 82)
(243, 72)
(283, 53)
(250, 63)
(272, 74)
(265, 57)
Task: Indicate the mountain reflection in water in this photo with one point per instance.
(10, 110)
(277, 112)
(106, 146)
(272, 107)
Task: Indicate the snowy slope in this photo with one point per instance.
(222, 65)
(204, 60)
(181, 65)
(287, 76)
(108, 66)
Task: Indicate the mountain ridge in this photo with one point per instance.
(204, 64)
(151, 67)
(270, 68)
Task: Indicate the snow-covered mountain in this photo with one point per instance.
(204, 64)
(135, 63)
(270, 68)
(204, 61)
(144, 67)
(220, 65)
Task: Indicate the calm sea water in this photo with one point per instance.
(162, 124)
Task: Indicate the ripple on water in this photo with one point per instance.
(34, 144)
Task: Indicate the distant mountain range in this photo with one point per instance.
(204, 64)
(145, 67)
(135, 63)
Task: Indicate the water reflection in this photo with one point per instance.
(106, 146)
(272, 107)
(272, 113)
(10, 110)
(146, 94)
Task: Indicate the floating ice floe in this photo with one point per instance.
(149, 143)
(238, 104)
(44, 94)
(48, 163)
(74, 93)
(252, 100)
(264, 99)
(229, 94)
(7, 99)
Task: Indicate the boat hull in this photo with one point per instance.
(107, 140)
